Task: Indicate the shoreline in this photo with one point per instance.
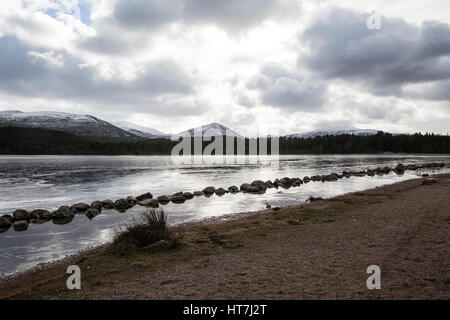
(20, 218)
(235, 234)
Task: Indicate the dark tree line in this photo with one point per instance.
(32, 141)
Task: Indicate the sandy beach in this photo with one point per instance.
(319, 250)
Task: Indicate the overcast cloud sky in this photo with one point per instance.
(253, 65)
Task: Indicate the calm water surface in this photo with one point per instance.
(46, 182)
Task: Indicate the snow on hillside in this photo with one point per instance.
(77, 124)
(333, 132)
(208, 130)
(138, 130)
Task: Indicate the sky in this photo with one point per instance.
(252, 65)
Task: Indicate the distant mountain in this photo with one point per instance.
(76, 124)
(333, 132)
(247, 133)
(140, 131)
(208, 130)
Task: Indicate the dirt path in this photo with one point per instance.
(404, 228)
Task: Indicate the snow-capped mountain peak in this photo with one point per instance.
(208, 130)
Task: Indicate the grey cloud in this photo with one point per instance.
(232, 15)
(148, 14)
(112, 42)
(282, 88)
(295, 95)
(133, 22)
(388, 110)
(341, 46)
(158, 84)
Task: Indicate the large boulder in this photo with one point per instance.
(40, 212)
(245, 186)
(209, 190)
(63, 212)
(163, 199)
(21, 225)
(233, 189)
(399, 168)
(285, 181)
(269, 184)
(306, 179)
(21, 214)
(46, 216)
(198, 193)
(255, 189)
(251, 189)
(121, 204)
(177, 199)
(108, 204)
(34, 216)
(221, 191)
(153, 203)
(97, 205)
(188, 195)
(260, 184)
(91, 213)
(8, 216)
(132, 200)
(80, 207)
(61, 221)
(331, 177)
(144, 196)
(5, 223)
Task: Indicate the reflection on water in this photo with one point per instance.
(46, 182)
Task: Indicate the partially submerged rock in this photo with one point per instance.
(80, 207)
(39, 212)
(163, 199)
(132, 200)
(144, 196)
(21, 214)
(261, 185)
(177, 199)
(152, 203)
(108, 204)
(8, 216)
(188, 195)
(46, 216)
(5, 223)
(221, 191)
(21, 225)
(91, 213)
(61, 221)
(400, 168)
(63, 212)
(121, 204)
(97, 205)
(209, 190)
